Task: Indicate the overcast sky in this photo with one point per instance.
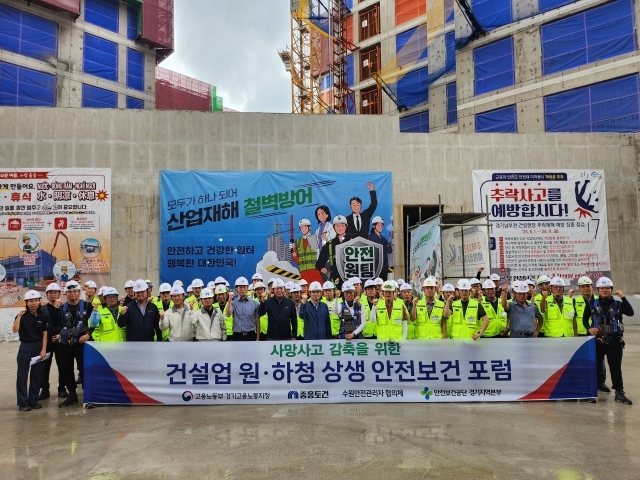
(233, 44)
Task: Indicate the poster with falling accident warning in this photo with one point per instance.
(551, 222)
(55, 226)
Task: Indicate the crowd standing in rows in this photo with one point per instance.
(279, 311)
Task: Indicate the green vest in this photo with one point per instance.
(228, 322)
(538, 299)
(333, 317)
(411, 326)
(579, 304)
(559, 323)
(429, 327)
(306, 258)
(158, 303)
(108, 330)
(370, 329)
(497, 320)
(390, 327)
(300, 326)
(464, 326)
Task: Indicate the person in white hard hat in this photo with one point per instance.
(315, 315)
(492, 306)
(193, 296)
(179, 320)
(221, 300)
(605, 314)
(259, 290)
(329, 298)
(326, 263)
(32, 327)
(304, 286)
(208, 322)
(559, 315)
(130, 296)
(428, 313)
(142, 318)
(164, 303)
(351, 313)
(367, 301)
(390, 315)
(357, 286)
(543, 282)
(296, 296)
(281, 313)
(376, 236)
(524, 319)
(54, 318)
(90, 289)
(244, 314)
(379, 282)
(305, 252)
(466, 316)
(406, 295)
(256, 278)
(104, 321)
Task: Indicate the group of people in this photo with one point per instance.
(300, 310)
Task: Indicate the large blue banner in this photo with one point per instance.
(278, 224)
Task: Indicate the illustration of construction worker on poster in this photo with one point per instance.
(291, 225)
(551, 221)
(55, 225)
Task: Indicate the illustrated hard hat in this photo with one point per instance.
(304, 221)
(376, 219)
(340, 219)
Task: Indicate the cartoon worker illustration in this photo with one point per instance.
(26, 245)
(64, 276)
(305, 252)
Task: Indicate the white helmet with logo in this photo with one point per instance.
(347, 287)
(197, 282)
(584, 280)
(463, 284)
(220, 289)
(242, 282)
(277, 283)
(406, 286)
(206, 293)
(129, 284)
(430, 281)
(521, 287)
(315, 287)
(557, 282)
(447, 287)
(140, 286)
(32, 295)
(53, 287)
(604, 282)
(177, 290)
(108, 291)
(304, 221)
(488, 284)
(328, 285)
(165, 288)
(340, 219)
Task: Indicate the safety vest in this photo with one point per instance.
(464, 326)
(306, 257)
(370, 329)
(579, 303)
(96, 303)
(227, 321)
(411, 326)
(193, 302)
(497, 320)
(158, 303)
(428, 327)
(390, 327)
(300, 326)
(559, 323)
(538, 299)
(333, 317)
(108, 330)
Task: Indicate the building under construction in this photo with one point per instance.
(94, 54)
(466, 66)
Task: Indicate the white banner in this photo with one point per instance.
(425, 258)
(339, 371)
(552, 222)
(465, 262)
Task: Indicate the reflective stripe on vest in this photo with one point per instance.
(306, 258)
(108, 330)
(333, 317)
(580, 304)
(390, 328)
(559, 323)
(464, 326)
(429, 326)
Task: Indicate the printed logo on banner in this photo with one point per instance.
(426, 393)
(585, 207)
(187, 396)
(15, 224)
(293, 394)
(60, 223)
(359, 258)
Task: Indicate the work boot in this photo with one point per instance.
(62, 393)
(25, 408)
(72, 399)
(603, 387)
(622, 398)
(37, 406)
(44, 394)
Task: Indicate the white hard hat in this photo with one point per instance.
(220, 289)
(259, 285)
(328, 285)
(165, 288)
(226, 283)
(584, 280)
(277, 282)
(395, 284)
(304, 221)
(303, 282)
(557, 282)
(256, 276)
(189, 289)
(53, 287)
(474, 281)
(347, 287)
(242, 282)
(140, 286)
(101, 291)
(530, 282)
(270, 281)
(604, 282)
(429, 282)
(376, 219)
(315, 287)
(211, 285)
(379, 281)
(521, 287)
(219, 280)
(251, 287)
(73, 285)
(400, 281)
(463, 284)
(177, 290)
(288, 285)
(369, 283)
(109, 291)
(405, 286)
(389, 286)
(178, 282)
(354, 280)
(206, 293)
(129, 284)
(295, 287)
(340, 219)
(32, 294)
(90, 284)
(543, 279)
(488, 284)
(197, 282)
(447, 287)
(494, 277)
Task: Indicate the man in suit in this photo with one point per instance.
(358, 222)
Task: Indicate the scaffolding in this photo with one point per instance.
(344, 98)
(156, 27)
(175, 91)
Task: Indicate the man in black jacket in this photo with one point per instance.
(281, 313)
(141, 317)
(54, 316)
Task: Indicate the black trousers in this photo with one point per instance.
(602, 368)
(28, 395)
(243, 337)
(66, 355)
(613, 352)
(44, 385)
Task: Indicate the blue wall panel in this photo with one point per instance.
(452, 103)
(448, 11)
(492, 13)
(494, 66)
(135, 103)
(23, 87)
(135, 69)
(132, 22)
(418, 123)
(413, 88)
(411, 45)
(103, 13)
(351, 73)
(27, 34)
(546, 5)
(450, 58)
(94, 97)
(501, 120)
(100, 57)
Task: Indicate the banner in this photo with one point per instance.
(55, 225)
(425, 257)
(338, 371)
(465, 261)
(278, 224)
(551, 222)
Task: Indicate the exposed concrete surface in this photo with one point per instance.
(549, 440)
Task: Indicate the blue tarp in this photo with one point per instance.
(501, 120)
(132, 22)
(493, 65)
(599, 33)
(452, 103)
(94, 97)
(450, 58)
(546, 5)
(492, 13)
(411, 45)
(326, 82)
(23, 87)
(351, 75)
(135, 69)
(103, 13)
(449, 11)
(611, 106)
(27, 34)
(135, 103)
(100, 57)
(418, 123)
(413, 89)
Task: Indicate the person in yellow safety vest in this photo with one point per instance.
(256, 278)
(469, 319)
(406, 294)
(492, 306)
(164, 303)
(152, 299)
(379, 283)
(448, 292)
(178, 321)
(428, 313)
(90, 289)
(390, 314)
(193, 300)
(258, 289)
(543, 282)
(107, 330)
(222, 297)
(531, 296)
(560, 316)
(585, 284)
(328, 297)
(296, 296)
(476, 287)
(357, 286)
(370, 329)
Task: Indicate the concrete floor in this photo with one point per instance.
(549, 440)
